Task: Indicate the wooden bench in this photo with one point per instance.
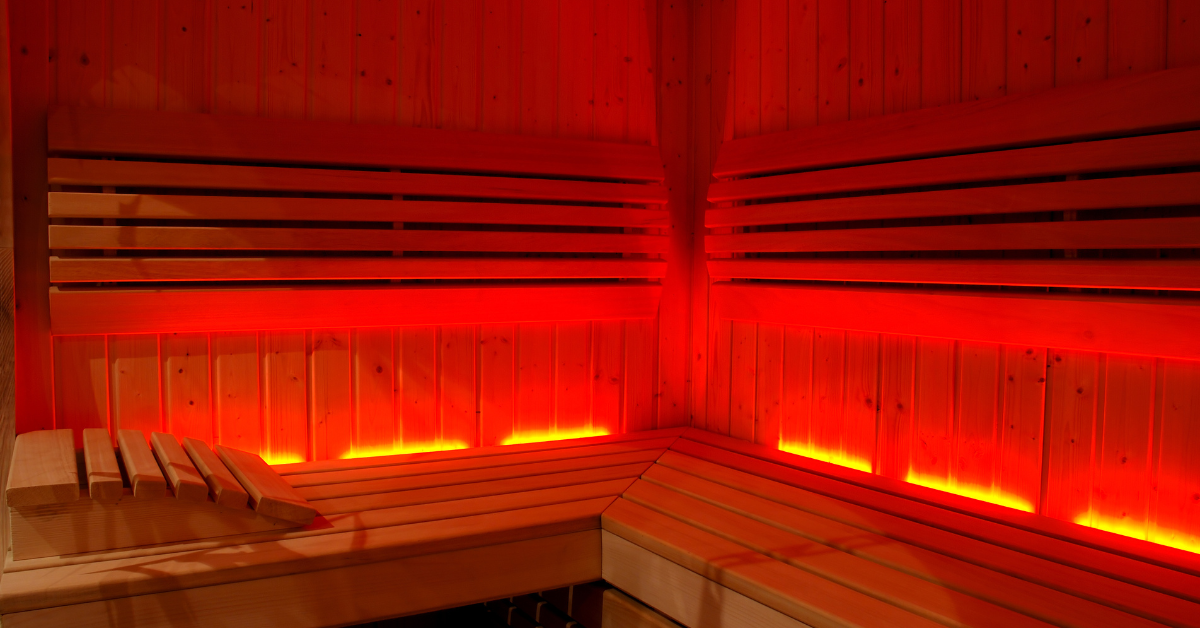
(896, 209)
(708, 530)
(166, 221)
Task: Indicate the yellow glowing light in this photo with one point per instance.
(541, 437)
(824, 455)
(986, 494)
(1124, 527)
(274, 459)
(391, 450)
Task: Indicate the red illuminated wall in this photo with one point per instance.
(1109, 440)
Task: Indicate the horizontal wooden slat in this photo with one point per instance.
(66, 171)
(1166, 150)
(145, 477)
(115, 132)
(1152, 233)
(284, 239)
(43, 469)
(91, 269)
(1124, 192)
(1156, 327)
(137, 311)
(89, 205)
(1166, 274)
(1143, 103)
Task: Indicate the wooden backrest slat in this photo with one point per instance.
(1165, 150)
(43, 469)
(1144, 103)
(103, 474)
(144, 206)
(185, 480)
(145, 477)
(271, 495)
(115, 132)
(224, 488)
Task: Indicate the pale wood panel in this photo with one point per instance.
(329, 406)
(135, 383)
(187, 390)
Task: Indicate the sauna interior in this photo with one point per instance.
(600, 313)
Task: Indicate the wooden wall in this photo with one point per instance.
(1108, 440)
(569, 68)
(7, 301)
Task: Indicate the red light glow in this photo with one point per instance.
(274, 459)
(826, 455)
(555, 434)
(988, 494)
(391, 450)
(1124, 527)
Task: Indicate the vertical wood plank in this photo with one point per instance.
(828, 390)
(186, 59)
(539, 67)
(134, 78)
(81, 27)
(1030, 46)
(774, 90)
(613, 67)
(976, 439)
(456, 361)
(1177, 516)
(373, 374)
(861, 398)
(235, 390)
(933, 432)
(461, 25)
(768, 416)
(186, 386)
(330, 421)
(643, 34)
(1081, 52)
(572, 376)
(866, 58)
(1073, 390)
(416, 359)
(135, 382)
(743, 376)
(608, 344)
(284, 396)
(704, 94)
(641, 343)
(1137, 36)
(941, 52)
(1121, 492)
(377, 62)
(902, 56)
(897, 404)
(984, 49)
(238, 57)
(331, 65)
(802, 64)
(797, 386)
(720, 378)
(575, 69)
(747, 75)
(833, 61)
(497, 379)
(1183, 33)
(80, 384)
(286, 39)
(1021, 423)
(534, 371)
(501, 67)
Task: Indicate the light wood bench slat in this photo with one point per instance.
(1163, 274)
(622, 611)
(1134, 105)
(148, 174)
(1140, 326)
(145, 477)
(103, 474)
(1167, 150)
(796, 593)
(1052, 592)
(133, 311)
(1148, 233)
(95, 269)
(43, 469)
(1161, 190)
(184, 479)
(1114, 566)
(270, 495)
(116, 132)
(154, 206)
(222, 486)
(291, 239)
